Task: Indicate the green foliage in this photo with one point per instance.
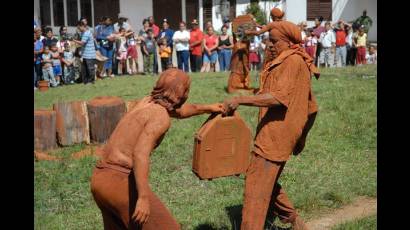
(257, 12)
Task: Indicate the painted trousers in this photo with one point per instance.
(263, 192)
(115, 193)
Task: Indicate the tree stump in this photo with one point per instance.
(132, 104)
(104, 113)
(72, 123)
(44, 130)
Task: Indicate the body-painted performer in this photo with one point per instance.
(240, 75)
(287, 111)
(119, 183)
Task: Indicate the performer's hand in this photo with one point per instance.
(142, 211)
(230, 105)
(217, 108)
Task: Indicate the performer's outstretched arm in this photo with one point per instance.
(189, 110)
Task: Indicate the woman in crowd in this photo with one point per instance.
(225, 49)
(210, 43)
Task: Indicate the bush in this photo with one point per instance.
(256, 11)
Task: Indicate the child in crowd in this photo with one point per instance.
(372, 56)
(164, 53)
(361, 40)
(47, 62)
(253, 55)
(311, 43)
(148, 49)
(55, 55)
(121, 50)
(68, 60)
(132, 55)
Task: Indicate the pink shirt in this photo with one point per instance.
(210, 40)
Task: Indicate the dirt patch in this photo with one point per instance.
(362, 207)
(41, 156)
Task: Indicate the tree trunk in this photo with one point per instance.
(104, 113)
(72, 123)
(44, 130)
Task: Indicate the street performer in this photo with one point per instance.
(287, 111)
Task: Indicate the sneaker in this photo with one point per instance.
(35, 88)
(112, 75)
(71, 82)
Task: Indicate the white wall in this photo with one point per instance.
(136, 11)
(37, 10)
(241, 6)
(296, 11)
(354, 9)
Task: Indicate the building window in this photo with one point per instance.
(317, 8)
(109, 8)
(45, 12)
(72, 12)
(58, 12)
(207, 11)
(86, 10)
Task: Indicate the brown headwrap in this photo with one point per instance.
(171, 89)
(277, 13)
(290, 33)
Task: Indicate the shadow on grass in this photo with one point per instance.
(235, 216)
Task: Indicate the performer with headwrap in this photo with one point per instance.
(240, 74)
(119, 183)
(287, 112)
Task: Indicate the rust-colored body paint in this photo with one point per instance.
(104, 113)
(72, 123)
(282, 129)
(240, 75)
(222, 147)
(132, 104)
(44, 130)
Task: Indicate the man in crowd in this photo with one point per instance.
(88, 54)
(341, 52)
(195, 46)
(365, 20)
(155, 30)
(327, 40)
(181, 38)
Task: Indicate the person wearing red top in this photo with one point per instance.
(318, 29)
(195, 46)
(210, 43)
(154, 27)
(341, 51)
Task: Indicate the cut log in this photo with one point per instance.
(72, 123)
(132, 104)
(44, 130)
(104, 113)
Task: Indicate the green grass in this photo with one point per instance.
(367, 223)
(337, 165)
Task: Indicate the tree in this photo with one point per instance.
(257, 12)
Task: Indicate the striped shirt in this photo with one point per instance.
(88, 47)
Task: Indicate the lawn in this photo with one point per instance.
(367, 223)
(337, 165)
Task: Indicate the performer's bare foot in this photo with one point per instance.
(299, 224)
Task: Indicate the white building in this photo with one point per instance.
(67, 12)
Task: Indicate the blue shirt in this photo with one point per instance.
(88, 47)
(104, 31)
(168, 33)
(38, 45)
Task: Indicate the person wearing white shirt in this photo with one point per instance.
(181, 40)
(328, 40)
